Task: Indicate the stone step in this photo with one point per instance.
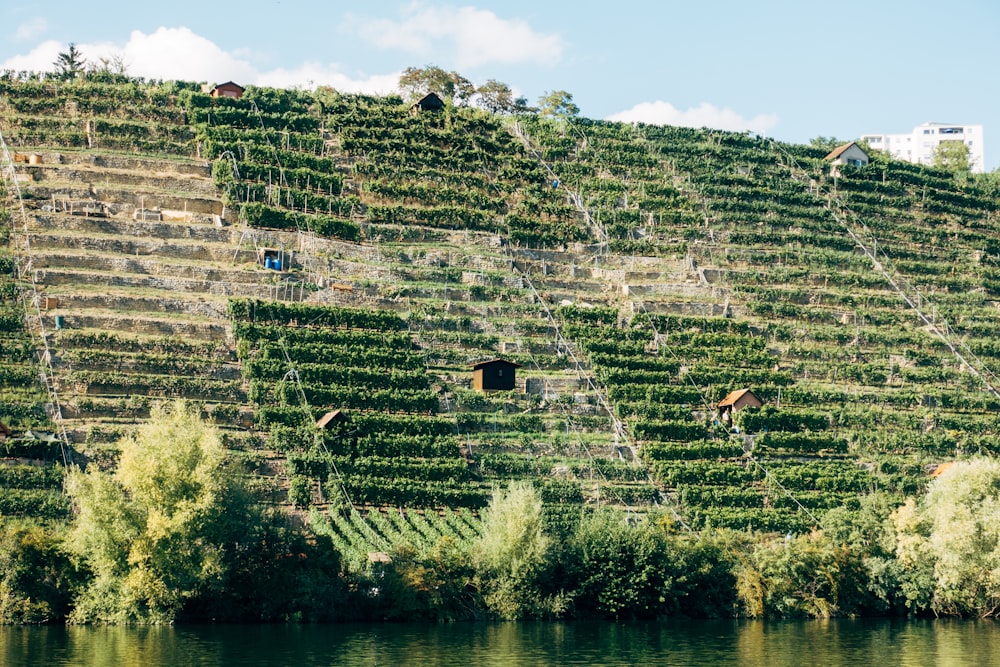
(96, 159)
(59, 175)
(153, 266)
(285, 291)
(181, 326)
(125, 300)
(179, 250)
(204, 231)
(123, 199)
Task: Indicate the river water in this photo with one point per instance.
(883, 643)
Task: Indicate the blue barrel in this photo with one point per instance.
(60, 321)
(267, 263)
(276, 264)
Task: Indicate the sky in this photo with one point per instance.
(789, 69)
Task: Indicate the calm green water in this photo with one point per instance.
(715, 643)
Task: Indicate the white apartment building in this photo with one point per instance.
(918, 146)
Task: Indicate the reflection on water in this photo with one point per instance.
(883, 643)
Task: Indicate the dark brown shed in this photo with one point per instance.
(330, 418)
(494, 375)
(735, 401)
(429, 102)
(228, 89)
(5, 432)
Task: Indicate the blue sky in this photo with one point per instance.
(789, 69)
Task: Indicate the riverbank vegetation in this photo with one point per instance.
(174, 534)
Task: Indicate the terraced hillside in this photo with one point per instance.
(288, 254)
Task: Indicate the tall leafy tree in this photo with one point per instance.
(496, 96)
(826, 143)
(558, 104)
(415, 82)
(70, 63)
(952, 156)
(511, 553)
(155, 532)
(949, 540)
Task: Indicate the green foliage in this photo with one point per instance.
(808, 576)
(496, 97)
(415, 82)
(511, 552)
(155, 533)
(70, 63)
(557, 104)
(952, 156)
(261, 215)
(826, 144)
(37, 579)
(950, 540)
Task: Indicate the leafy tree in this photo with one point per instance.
(990, 182)
(36, 576)
(70, 64)
(112, 69)
(435, 585)
(808, 576)
(415, 82)
(155, 532)
(512, 551)
(826, 143)
(952, 156)
(951, 537)
(558, 104)
(496, 96)
(869, 530)
(621, 570)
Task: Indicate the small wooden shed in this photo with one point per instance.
(849, 153)
(5, 432)
(735, 401)
(228, 89)
(429, 102)
(494, 375)
(331, 419)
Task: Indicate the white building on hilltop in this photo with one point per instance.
(918, 146)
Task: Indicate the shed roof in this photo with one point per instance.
(840, 150)
(430, 101)
(492, 362)
(330, 417)
(733, 396)
(5, 429)
(228, 84)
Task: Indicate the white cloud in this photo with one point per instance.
(31, 29)
(179, 53)
(474, 36)
(703, 115)
(39, 59)
(312, 74)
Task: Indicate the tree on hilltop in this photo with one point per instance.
(826, 143)
(415, 82)
(497, 97)
(70, 64)
(558, 104)
(952, 156)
